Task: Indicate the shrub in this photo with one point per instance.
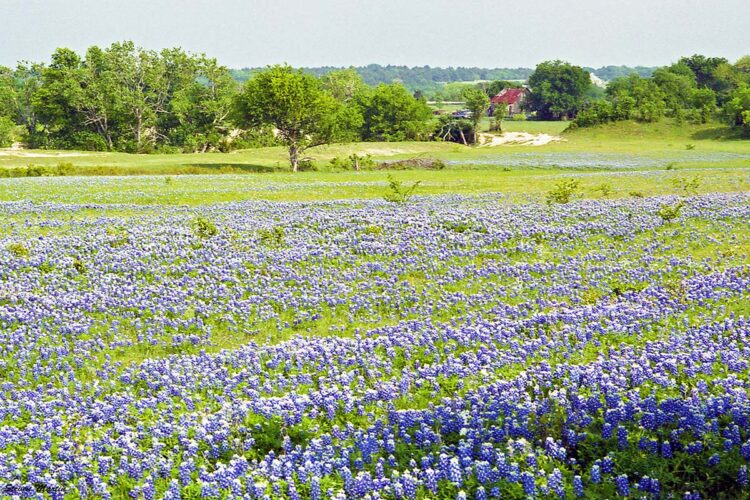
(688, 187)
(597, 113)
(668, 213)
(35, 171)
(64, 168)
(18, 250)
(636, 194)
(563, 192)
(272, 237)
(204, 228)
(79, 266)
(397, 193)
(7, 132)
(604, 188)
(413, 164)
(353, 162)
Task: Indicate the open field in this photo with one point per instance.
(271, 335)
(652, 145)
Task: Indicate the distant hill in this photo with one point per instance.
(426, 78)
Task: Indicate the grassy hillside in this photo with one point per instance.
(618, 146)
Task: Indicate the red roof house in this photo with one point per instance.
(514, 98)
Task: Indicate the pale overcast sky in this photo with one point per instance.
(489, 33)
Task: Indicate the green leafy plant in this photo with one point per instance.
(353, 162)
(18, 250)
(272, 237)
(79, 266)
(397, 193)
(605, 189)
(668, 213)
(204, 228)
(563, 192)
(688, 186)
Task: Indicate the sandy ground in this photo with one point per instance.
(518, 139)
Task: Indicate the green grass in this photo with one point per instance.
(646, 159)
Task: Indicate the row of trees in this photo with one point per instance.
(695, 88)
(307, 111)
(125, 98)
(120, 98)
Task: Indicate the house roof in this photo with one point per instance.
(509, 96)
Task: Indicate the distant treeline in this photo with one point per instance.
(428, 79)
(695, 88)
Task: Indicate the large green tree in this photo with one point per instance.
(637, 97)
(391, 113)
(294, 103)
(344, 85)
(737, 109)
(477, 103)
(17, 90)
(202, 108)
(558, 89)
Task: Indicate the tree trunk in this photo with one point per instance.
(294, 157)
(463, 137)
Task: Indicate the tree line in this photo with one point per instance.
(695, 88)
(126, 98)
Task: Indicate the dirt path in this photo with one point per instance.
(518, 139)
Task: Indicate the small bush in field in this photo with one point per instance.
(563, 192)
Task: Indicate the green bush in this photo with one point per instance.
(7, 132)
(18, 250)
(563, 192)
(204, 228)
(668, 213)
(397, 193)
(688, 187)
(273, 237)
(353, 162)
(605, 189)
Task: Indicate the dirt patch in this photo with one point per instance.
(412, 164)
(518, 139)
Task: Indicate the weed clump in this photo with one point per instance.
(18, 250)
(397, 193)
(668, 213)
(273, 237)
(353, 162)
(563, 192)
(204, 228)
(605, 189)
(79, 266)
(688, 186)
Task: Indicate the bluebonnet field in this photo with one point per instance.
(451, 347)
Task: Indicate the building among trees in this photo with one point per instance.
(514, 98)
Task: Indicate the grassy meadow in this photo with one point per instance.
(628, 158)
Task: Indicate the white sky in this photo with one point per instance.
(488, 33)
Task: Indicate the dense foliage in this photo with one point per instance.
(120, 98)
(558, 90)
(692, 89)
(297, 106)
